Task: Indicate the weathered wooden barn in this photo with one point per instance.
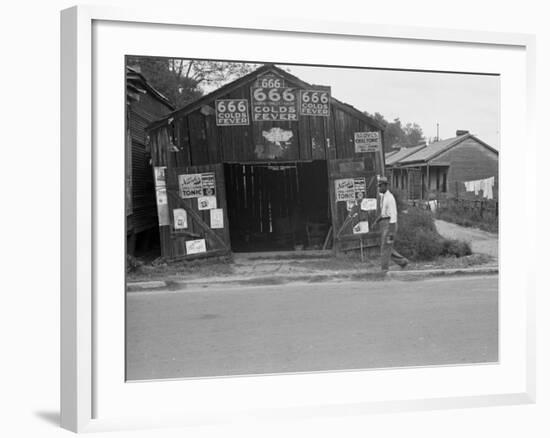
(266, 162)
(144, 105)
(442, 168)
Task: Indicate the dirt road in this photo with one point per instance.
(482, 242)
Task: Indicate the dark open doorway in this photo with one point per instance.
(277, 206)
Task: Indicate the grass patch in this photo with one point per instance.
(418, 240)
(160, 268)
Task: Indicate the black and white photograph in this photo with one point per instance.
(285, 218)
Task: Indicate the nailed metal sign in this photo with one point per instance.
(194, 185)
(274, 104)
(232, 112)
(367, 141)
(350, 189)
(315, 102)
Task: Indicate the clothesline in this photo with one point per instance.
(484, 185)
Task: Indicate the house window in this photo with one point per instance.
(444, 182)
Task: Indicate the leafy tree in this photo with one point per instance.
(183, 81)
(413, 134)
(397, 135)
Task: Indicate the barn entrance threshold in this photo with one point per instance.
(269, 256)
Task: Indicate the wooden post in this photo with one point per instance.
(428, 183)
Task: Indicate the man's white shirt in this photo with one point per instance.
(389, 207)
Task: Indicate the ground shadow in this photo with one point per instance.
(52, 417)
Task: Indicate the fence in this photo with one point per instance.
(484, 209)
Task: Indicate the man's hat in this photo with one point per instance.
(382, 180)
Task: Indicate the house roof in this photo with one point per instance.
(250, 77)
(403, 153)
(433, 150)
(137, 84)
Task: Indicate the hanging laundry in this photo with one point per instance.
(481, 185)
(488, 187)
(472, 186)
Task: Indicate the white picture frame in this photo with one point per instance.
(82, 275)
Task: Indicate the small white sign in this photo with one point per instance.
(195, 246)
(216, 218)
(207, 202)
(367, 141)
(368, 204)
(160, 176)
(180, 219)
(344, 189)
(361, 228)
(190, 185)
(162, 207)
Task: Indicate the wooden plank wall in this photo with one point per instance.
(200, 141)
(140, 114)
(174, 240)
(194, 140)
(344, 237)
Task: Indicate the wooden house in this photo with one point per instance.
(266, 162)
(144, 105)
(442, 168)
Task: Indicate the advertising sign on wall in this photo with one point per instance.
(359, 187)
(216, 218)
(315, 102)
(367, 141)
(274, 104)
(361, 227)
(368, 204)
(193, 185)
(180, 219)
(344, 189)
(232, 112)
(208, 184)
(161, 195)
(162, 207)
(195, 246)
(207, 202)
(350, 189)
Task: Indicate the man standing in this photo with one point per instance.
(388, 227)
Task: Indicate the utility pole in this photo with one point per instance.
(437, 138)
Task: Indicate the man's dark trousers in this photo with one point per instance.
(387, 237)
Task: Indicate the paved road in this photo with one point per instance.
(482, 242)
(307, 327)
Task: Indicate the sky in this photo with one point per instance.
(455, 101)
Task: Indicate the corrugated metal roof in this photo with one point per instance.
(403, 153)
(434, 149)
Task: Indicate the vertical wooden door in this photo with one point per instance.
(350, 181)
(198, 213)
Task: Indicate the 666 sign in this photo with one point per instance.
(232, 112)
(274, 103)
(315, 102)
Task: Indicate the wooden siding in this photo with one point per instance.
(140, 114)
(190, 137)
(173, 242)
(200, 141)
